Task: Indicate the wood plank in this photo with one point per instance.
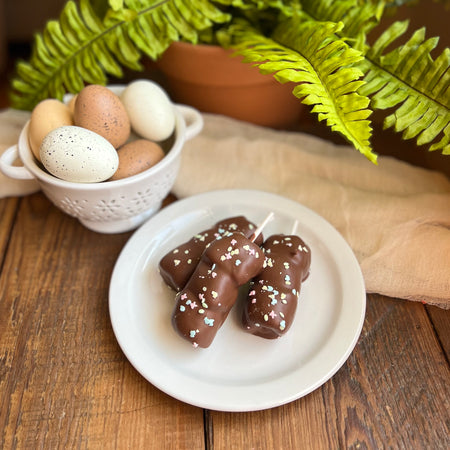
(394, 390)
(64, 381)
(305, 423)
(374, 401)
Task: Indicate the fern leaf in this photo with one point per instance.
(115, 4)
(411, 83)
(358, 17)
(308, 54)
(82, 48)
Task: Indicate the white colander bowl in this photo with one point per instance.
(110, 206)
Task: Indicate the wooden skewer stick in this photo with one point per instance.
(260, 228)
(294, 227)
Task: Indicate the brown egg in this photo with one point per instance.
(100, 110)
(137, 156)
(46, 116)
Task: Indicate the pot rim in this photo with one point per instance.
(184, 61)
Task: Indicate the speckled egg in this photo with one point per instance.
(45, 117)
(151, 113)
(100, 110)
(137, 156)
(75, 154)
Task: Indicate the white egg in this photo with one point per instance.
(79, 155)
(149, 109)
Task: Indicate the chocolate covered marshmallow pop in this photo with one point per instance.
(273, 296)
(177, 266)
(205, 302)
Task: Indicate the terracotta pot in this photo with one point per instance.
(212, 80)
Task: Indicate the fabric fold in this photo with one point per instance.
(395, 216)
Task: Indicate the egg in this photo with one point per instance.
(137, 156)
(151, 113)
(45, 117)
(71, 104)
(75, 154)
(100, 110)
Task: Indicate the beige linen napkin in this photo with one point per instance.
(396, 217)
(11, 124)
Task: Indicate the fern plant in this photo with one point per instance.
(320, 45)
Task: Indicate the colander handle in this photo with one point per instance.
(7, 160)
(193, 119)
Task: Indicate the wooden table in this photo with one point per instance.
(65, 383)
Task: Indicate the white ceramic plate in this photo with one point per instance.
(239, 371)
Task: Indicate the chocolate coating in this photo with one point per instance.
(274, 292)
(177, 266)
(206, 300)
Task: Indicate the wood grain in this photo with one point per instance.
(306, 423)
(8, 208)
(441, 323)
(64, 381)
(386, 397)
(392, 392)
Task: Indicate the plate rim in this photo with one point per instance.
(203, 198)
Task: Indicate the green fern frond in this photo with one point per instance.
(257, 4)
(358, 17)
(408, 80)
(320, 45)
(82, 48)
(310, 55)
